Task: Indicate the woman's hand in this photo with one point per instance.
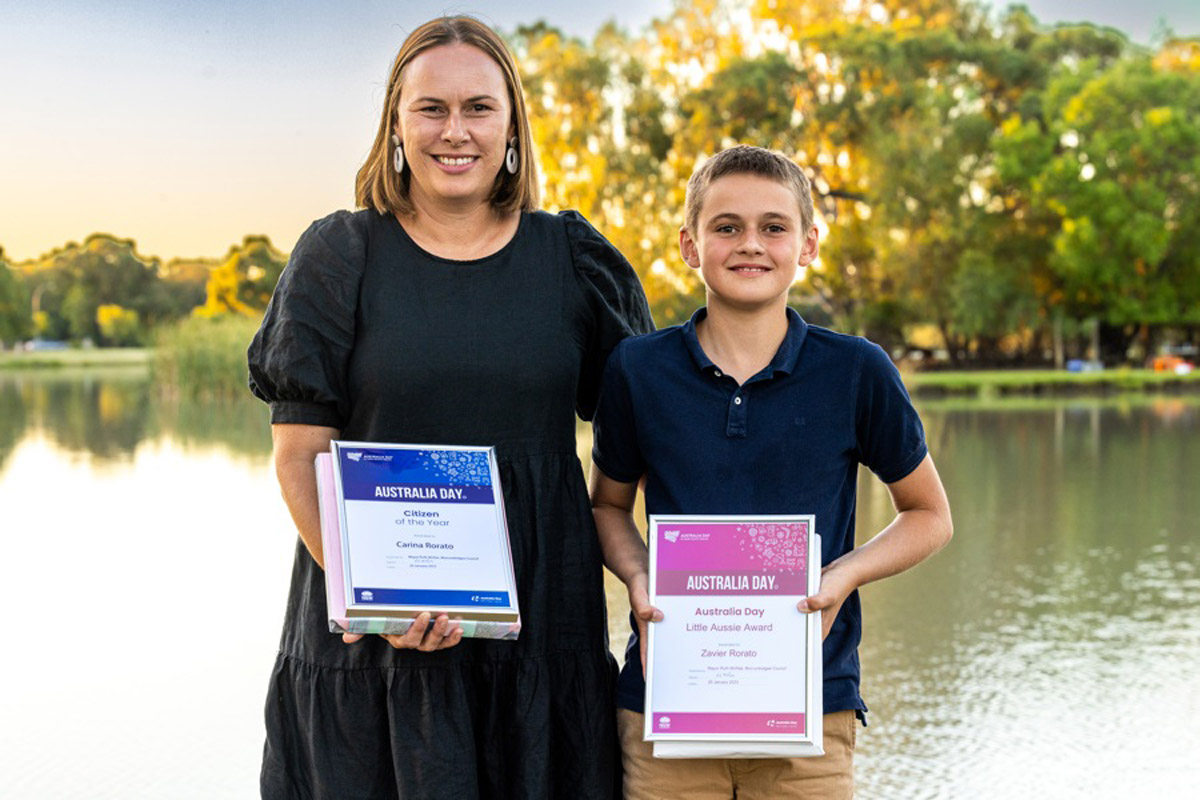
(421, 635)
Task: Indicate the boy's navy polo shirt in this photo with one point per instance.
(788, 441)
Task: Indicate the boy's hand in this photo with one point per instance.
(643, 612)
(921, 527)
(836, 586)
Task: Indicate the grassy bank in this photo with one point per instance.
(207, 357)
(62, 359)
(1046, 382)
(204, 357)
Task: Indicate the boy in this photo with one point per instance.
(747, 409)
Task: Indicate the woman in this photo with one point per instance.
(448, 311)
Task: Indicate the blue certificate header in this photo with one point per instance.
(416, 476)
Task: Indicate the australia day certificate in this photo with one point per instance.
(734, 668)
(422, 528)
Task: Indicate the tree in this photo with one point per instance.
(245, 279)
(1109, 169)
(68, 286)
(15, 320)
(118, 326)
(934, 137)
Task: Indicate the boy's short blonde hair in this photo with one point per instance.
(746, 159)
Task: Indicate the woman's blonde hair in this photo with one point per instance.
(380, 187)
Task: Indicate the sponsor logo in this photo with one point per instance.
(664, 722)
(679, 536)
(782, 723)
(367, 595)
(354, 455)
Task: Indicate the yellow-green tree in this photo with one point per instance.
(243, 282)
(118, 326)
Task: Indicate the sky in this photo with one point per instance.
(187, 125)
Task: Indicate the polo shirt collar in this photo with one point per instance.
(785, 357)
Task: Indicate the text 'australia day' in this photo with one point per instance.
(419, 493)
(727, 583)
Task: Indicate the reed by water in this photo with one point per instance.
(204, 357)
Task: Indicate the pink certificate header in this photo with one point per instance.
(731, 557)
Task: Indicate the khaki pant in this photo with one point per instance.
(827, 777)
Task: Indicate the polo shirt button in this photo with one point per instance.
(737, 401)
(717, 372)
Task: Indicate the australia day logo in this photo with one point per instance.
(671, 536)
(354, 455)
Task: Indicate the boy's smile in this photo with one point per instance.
(748, 241)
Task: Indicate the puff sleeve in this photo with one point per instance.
(298, 359)
(615, 300)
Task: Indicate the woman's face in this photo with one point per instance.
(454, 120)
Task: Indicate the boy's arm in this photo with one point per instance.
(624, 551)
(922, 527)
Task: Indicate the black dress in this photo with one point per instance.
(371, 335)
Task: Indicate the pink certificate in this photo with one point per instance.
(733, 663)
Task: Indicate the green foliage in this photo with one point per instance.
(16, 321)
(204, 356)
(1124, 186)
(69, 285)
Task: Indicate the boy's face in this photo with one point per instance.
(748, 242)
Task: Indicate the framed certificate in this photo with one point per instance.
(734, 668)
(414, 528)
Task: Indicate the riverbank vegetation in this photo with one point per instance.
(74, 358)
(204, 356)
(1046, 382)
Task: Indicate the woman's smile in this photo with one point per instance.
(454, 122)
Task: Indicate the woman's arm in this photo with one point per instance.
(296, 446)
(922, 526)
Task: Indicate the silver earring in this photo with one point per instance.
(397, 155)
(511, 159)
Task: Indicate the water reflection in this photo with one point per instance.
(1063, 616)
(147, 591)
(12, 418)
(107, 414)
(1049, 651)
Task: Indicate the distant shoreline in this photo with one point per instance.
(1047, 382)
(964, 384)
(95, 357)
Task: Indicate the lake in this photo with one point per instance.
(1051, 650)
